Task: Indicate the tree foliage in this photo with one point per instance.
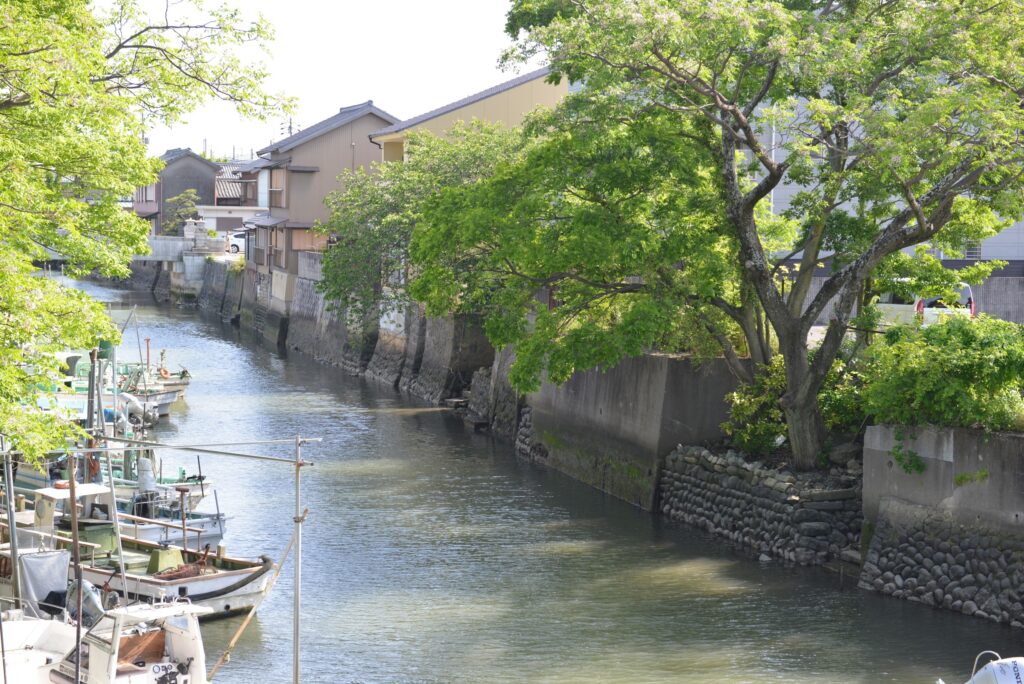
(374, 214)
(956, 373)
(178, 210)
(893, 124)
(607, 214)
(77, 87)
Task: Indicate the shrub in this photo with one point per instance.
(757, 424)
(956, 373)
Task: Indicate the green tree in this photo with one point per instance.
(374, 214)
(178, 210)
(78, 85)
(613, 218)
(896, 123)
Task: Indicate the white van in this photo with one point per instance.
(236, 243)
(897, 310)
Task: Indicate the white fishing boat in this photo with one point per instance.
(136, 569)
(140, 644)
(163, 515)
(125, 465)
(999, 670)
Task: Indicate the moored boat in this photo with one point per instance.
(151, 571)
(143, 644)
(999, 670)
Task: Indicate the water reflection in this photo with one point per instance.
(433, 555)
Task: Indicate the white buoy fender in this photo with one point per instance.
(147, 481)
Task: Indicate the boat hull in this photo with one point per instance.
(225, 592)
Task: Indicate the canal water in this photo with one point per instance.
(432, 555)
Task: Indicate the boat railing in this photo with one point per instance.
(53, 537)
(17, 600)
(150, 521)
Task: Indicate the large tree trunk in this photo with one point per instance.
(800, 402)
(806, 432)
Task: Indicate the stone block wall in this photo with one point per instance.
(952, 535)
(923, 554)
(768, 511)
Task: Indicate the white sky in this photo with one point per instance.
(408, 56)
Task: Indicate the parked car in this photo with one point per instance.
(236, 243)
(899, 310)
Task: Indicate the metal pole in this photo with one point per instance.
(77, 559)
(182, 492)
(296, 619)
(202, 485)
(114, 389)
(12, 526)
(117, 525)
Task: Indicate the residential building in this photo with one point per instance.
(506, 103)
(404, 338)
(235, 197)
(295, 175)
(183, 170)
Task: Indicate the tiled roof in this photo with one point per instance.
(177, 153)
(228, 188)
(254, 165)
(345, 115)
(482, 95)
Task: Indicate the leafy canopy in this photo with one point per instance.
(77, 86)
(892, 124)
(607, 213)
(178, 210)
(374, 214)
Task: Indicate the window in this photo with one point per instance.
(277, 188)
(146, 193)
(972, 251)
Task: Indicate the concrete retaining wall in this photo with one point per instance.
(453, 349)
(214, 287)
(1002, 297)
(610, 428)
(317, 329)
(953, 535)
(768, 511)
(388, 359)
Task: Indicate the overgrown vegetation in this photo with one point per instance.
(957, 373)
(757, 424)
(899, 123)
(373, 217)
(962, 479)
